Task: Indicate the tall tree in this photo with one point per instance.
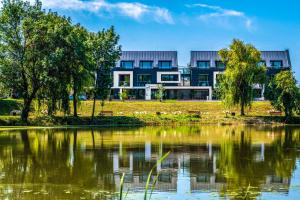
(241, 74)
(24, 47)
(105, 53)
(81, 70)
(284, 94)
(57, 84)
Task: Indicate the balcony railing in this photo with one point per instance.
(143, 83)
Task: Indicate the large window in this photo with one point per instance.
(165, 64)
(169, 77)
(124, 80)
(203, 80)
(146, 64)
(204, 64)
(126, 64)
(143, 79)
(220, 64)
(276, 63)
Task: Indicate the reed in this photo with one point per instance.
(148, 180)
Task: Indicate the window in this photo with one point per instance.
(146, 64)
(124, 80)
(276, 63)
(203, 80)
(143, 79)
(203, 64)
(220, 64)
(165, 64)
(262, 63)
(169, 77)
(126, 64)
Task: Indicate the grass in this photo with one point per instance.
(141, 113)
(148, 180)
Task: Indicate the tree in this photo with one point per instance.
(284, 94)
(23, 49)
(81, 69)
(105, 53)
(57, 87)
(123, 95)
(160, 92)
(241, 74)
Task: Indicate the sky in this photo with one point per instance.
(186, 25)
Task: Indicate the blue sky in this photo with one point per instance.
(186, 25)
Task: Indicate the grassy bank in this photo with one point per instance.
(142, 113)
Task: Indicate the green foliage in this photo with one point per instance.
(43, 55)
(7, 105)
(159, 95)
(150, 174)
(121, 187)
(105, 51)
(24, 40)
(124, 95)
(284, 94)
(242, 72)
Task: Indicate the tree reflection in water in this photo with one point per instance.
(88, 163)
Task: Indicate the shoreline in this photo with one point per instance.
(144, 120)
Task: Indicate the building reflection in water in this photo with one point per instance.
(223, 160)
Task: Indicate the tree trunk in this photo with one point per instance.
(26, 109)
(242, 108)
(75, 102)
(93, 137)
(94, 106)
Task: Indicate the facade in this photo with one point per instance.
(140, 73)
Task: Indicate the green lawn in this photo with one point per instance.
(170, 107)
(144, 113)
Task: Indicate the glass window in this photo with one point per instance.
(165, 64)
(203, 80)
(261, 63)
(203, 64)
(276, 63)
(124, 80)
(146, 64)
(126, 64)
(169, 77)
(220, 64)
(143, 79)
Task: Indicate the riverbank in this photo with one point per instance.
(141, 113)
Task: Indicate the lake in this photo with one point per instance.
(205, 162)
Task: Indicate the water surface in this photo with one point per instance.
(206, 162)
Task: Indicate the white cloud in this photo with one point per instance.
(136, 11)
(222, 14)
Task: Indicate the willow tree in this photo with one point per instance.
(241, 74)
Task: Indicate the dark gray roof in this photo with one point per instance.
(265, 55)
(154, 56)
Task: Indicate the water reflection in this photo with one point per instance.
(206, 162)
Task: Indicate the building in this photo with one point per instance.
(140, 73)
